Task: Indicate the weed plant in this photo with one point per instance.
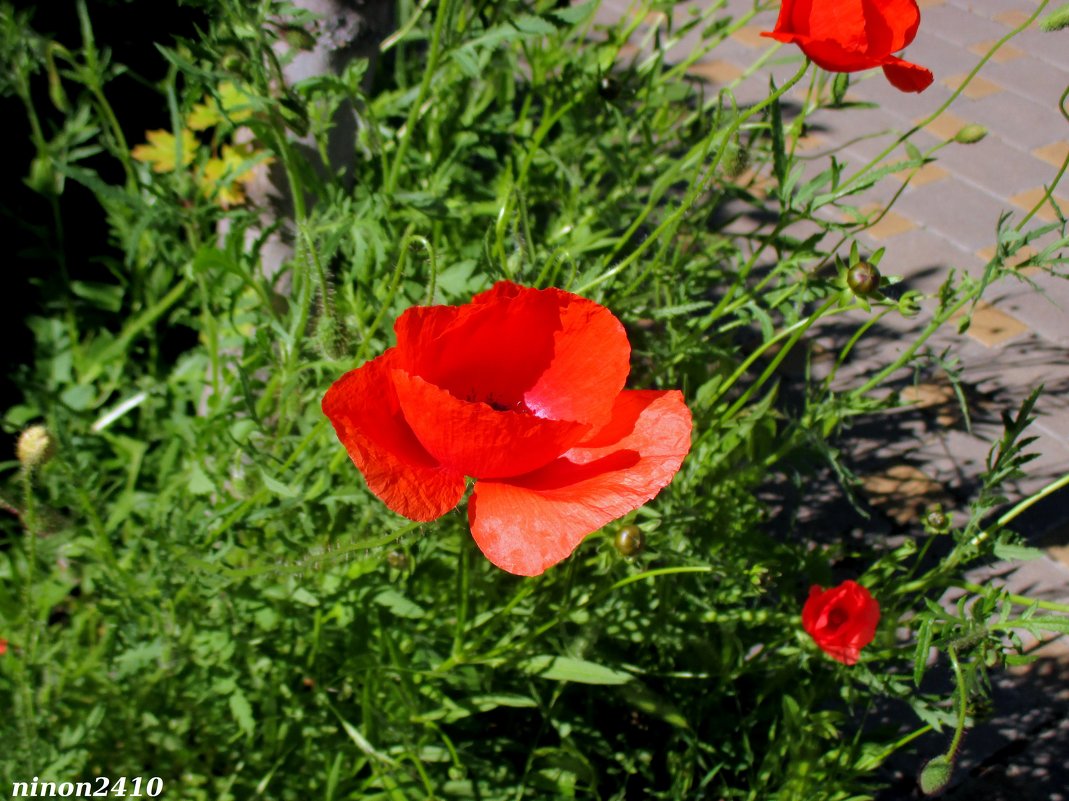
(198, 585)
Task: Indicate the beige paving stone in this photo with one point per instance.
(992, 327)
(810, 142)
(750, 35)
(946, 125)
(1005, 53)
(1027, 200)
(1055, 153)
(978, 87)
(937, 398)
(891, 224)
(929, 173)
(716, 71)
(930, 3)
(1015, 261)
(903, 493)
(1013, 18)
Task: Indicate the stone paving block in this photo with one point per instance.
(995, 167)
(716, 71)
(1054, 154)
(958, 211)
(924, 260)
(1005, 53)
(1046, 309)
(959, 26)
(978, 87)
(929, 173)
(992, 327)
(1036, 80)
(945, 126)
(1047, 212)
(1012, 117)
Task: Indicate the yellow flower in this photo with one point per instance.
(162, 150)
(222, 177)
(233, 105)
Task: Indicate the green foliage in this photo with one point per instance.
(200, 587)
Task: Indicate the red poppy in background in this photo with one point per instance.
(3, 646)
(854, 35)
(841, 620)
(521, 389)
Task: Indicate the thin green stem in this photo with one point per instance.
(697, 187)
(424, 87)
(963, 701)
(29, 608)
(1049, 190)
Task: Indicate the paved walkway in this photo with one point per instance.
(946, 218)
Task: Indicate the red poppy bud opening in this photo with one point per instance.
(841, 620)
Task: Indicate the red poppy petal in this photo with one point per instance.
(527, 524)
(564, 357)
(905, 76)
(843, 22)
(891, 24)
(493, 349)
(477, 440)
(364, 409)
(591, 360)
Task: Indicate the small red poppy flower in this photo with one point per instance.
(523, 390)
(841, 620)
(3, 646)
(854, 35)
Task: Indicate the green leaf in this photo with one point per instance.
(566, 668)
(528, 23)
(199, 483)
(242, 712)
(1016, 553)
(399, 604)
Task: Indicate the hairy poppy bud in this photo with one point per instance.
(863, 279)
(35, 447)
(970, 134)
(398, 560)
(630, 541)
(1056, 20)
(935, 775)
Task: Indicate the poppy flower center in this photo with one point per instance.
(497, 403)
(836, 618)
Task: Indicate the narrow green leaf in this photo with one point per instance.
(566, 668)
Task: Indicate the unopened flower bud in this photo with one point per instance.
(970, 134)
(630, 541)
(935, 775)
(863, 279)
(35, 447)
(1056, 20)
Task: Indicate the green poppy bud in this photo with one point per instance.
(970, 134)
(935, 775)
(863, 279)
(1056, 20)
(630, 541)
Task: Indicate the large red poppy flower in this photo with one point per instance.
(853, 35)
(841, 620)
(521, 389)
